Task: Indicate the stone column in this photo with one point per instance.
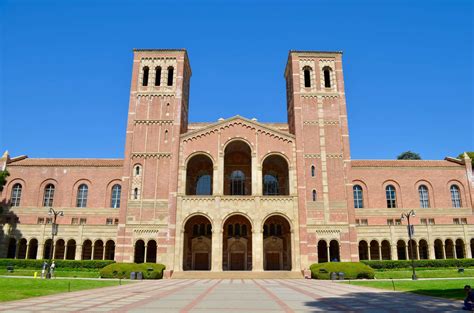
(444, 251)
(78, 255)
(431, 252)
(216, 249)
(93, 250)
(407, 256)
(380, 252)
(468, 251)
(257, 250)
(145, 253)
(328, 252)
(40, 253)
(254, 164)
(220, 180)
(103, 252)
(394, 251)
(27, 250)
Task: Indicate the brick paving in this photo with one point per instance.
(233, 295)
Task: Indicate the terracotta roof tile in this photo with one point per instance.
(403, 163)
(69, 162)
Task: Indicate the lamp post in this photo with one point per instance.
(54, 231)
(411, 229)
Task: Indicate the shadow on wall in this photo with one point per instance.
(10, 236)
(383, 301)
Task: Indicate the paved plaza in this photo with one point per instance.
(233, 295)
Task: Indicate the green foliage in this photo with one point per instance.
(470, 154)
(409, 155)
(3, 178)
(123, 270)
(419, 263)
(352, 270)
(60, 264)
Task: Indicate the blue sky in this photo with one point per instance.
(65, 68)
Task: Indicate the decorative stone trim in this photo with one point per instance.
(152, 122)
(328, 231)
(324, 122)
(316, 95)
(149, 155)
(318, 156)
(145, 94)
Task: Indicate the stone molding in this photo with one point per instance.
(318, 155)
(332, 122)
(152, 122)
(150, 155)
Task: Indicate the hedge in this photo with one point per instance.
(352, 270)
(388, 264)
(123, 270)
(60, 264)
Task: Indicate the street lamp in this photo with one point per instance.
(54, 231)
(411, 232)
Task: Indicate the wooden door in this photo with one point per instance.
(273, 261)
(237, 261)
(201, 261)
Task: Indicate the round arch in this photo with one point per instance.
(197, 242)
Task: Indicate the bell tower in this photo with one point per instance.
(317, 116)
(157, 115)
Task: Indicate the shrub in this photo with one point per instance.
(60, 264)
(352, 270)
(388, 264)
(123, 270)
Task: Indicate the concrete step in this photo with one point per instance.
(237, 275)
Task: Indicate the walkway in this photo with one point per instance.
(233, 295)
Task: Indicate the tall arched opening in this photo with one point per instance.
(401, 250)
(59, 249)
(438, 248)
(139, 255)
(275, 176)
(33, 249)
(386, 250)
(11, 248)
(460, 249)
(47, 248)
(71, 249)
(22, 247)
(197, 253)
(276, 244)
(449, 249)
(423, 250)
(374, 250)
(151, 251)
(110, 250)
(323, 251)
(237, 169)
(199, 173)
(237, 244)
(363, 250)
(87, 250)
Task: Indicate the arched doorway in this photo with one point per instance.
(401, 250)
(98, 250)
(412, 250)
(87, 250)
(71, 249)
(386, 251)
(275, 176)
(439, 251)
(110, 250)
(423, 249)
(472, 248)
(334, 251)
(449, 249)
(11, 248)
(47, 249)
(276, 244)
(151, 251)
(139, 255)
(363, 250)
(237, 169)
(22, 247)
(374, 250)
(460, 249)
(199, 172)
(33, 249)
(237, 244)
(59, 249)
(322, 251)
(197, 253)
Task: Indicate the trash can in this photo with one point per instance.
(133, 275)
(340, 275)
(139, 275)
(333, 275)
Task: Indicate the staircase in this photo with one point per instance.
(237, 275)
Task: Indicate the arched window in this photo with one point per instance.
(170, 76)
(115, 198)
(307, 77)
(203, 185)
(237, 183)
(358, 197)
(158, 76)
(270, 184)
(48, 196)
(146, 72)
(313, 171)
(327, 77)
(81, 201)
(166, 135)
(137, 170)
(314, 195)
(391, 196)
(455, 196)
(16, 195)
(135, 194)
(424, 197)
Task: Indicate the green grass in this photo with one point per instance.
(424, 273)
(21, 288)
(451, 289)
(59, 273)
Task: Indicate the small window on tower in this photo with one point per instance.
(135, 194)
(158, 76)
(313, 171)
(146, 72)
(314, 195)
(327, 77)
(170, 76)
(307, 76)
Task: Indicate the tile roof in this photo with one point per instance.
(68, 162)
(403, 163)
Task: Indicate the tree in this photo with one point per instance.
(470, 154)
(409, 155)
(3, 178)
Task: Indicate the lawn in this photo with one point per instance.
(59, 273)
(21, 288)
(424, 273)
(451, 289)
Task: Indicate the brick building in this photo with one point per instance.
(237, 194)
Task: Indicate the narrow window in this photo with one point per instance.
(81, 201)
(146, 72)
(137, 170)
(115, 200)
(391, 196)
(424, 198)
(158, 76)
(170, 76)
(244, 230)
(230, 230)
(314, 195)
(202, 229)
(278, 230)
(195, 230)
(48, 195)
(455, 196)
(135, 193)
(237, 183)
(16, 195)
(307, 77)
(358, 197)
(327, 78)
(313, 171)
(237, 229)
(167, 109)
(166, 135)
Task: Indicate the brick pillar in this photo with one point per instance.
(216, 265)
(257, 250)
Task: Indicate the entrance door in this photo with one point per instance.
(237, 261)
(273, 261)
(201, 261)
